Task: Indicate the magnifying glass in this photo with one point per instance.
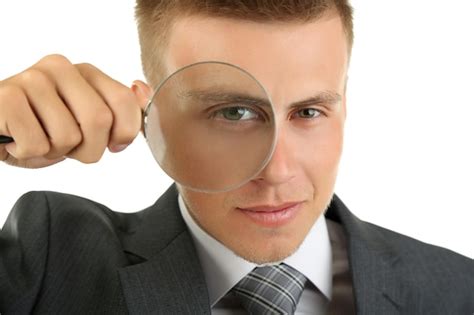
(210, 126)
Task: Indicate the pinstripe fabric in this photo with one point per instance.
(271, 290)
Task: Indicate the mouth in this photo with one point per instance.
(270, 215)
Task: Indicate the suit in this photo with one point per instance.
(62, 254)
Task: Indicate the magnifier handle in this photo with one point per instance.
(5, 139)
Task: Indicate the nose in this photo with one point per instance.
(280, 168)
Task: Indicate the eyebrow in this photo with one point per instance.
(328, 98)
(225, 97)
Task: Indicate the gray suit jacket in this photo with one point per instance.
(61, 254)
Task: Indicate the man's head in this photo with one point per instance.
(298, 50)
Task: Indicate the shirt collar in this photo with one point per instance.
(223, 269)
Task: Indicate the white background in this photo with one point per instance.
(408, 159)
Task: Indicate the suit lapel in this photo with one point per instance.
(170, 278)
(375, 267)
(169, 283)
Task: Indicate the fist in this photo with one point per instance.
(56, 110)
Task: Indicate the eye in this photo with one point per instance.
(235, 113)
(307, 113)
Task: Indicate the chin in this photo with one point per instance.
(268, 258)
(271, 251)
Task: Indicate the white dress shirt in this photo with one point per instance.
(223, 269)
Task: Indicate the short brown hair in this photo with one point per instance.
(154, 18)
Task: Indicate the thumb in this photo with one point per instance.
(142, 92)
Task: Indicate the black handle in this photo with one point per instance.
(4, 139)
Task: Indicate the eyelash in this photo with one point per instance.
(219, 110)
(320, 113)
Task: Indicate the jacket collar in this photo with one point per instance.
(375, 266)
(170, 280)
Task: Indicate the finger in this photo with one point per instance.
(17, 120)
(57, 121)
(91, 113)
(126, 111)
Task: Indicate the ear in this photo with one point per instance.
(142, 92)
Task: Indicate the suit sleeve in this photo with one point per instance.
(23, 253)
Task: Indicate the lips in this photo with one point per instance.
(272, 216)
(268, 208)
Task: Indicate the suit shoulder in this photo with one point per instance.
(434, 262)
(409, 244)
(54, 243)
(406, 245)
(65, 210)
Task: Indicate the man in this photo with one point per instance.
(189, 252)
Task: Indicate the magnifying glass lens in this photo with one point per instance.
(210, 126)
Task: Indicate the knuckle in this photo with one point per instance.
(55, 61)
(41, 149)
(85, 66)
(67, 141)
(33, 77)
(73, 139)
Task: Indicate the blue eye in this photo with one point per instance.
(308, 113)
(236, 114)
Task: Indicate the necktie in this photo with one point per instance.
(271, 290)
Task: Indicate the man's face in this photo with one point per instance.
(266, 219)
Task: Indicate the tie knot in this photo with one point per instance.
(271, 290)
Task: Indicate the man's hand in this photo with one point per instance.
(55, 110)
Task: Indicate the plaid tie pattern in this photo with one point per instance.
(271, 290)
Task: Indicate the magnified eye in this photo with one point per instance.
(236, 114)
(308, 113)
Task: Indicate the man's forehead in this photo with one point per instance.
(305, 57)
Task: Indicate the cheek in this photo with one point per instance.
(208, 210)
(214, 214)
(320, 155)
(322, 145)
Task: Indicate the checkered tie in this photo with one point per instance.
(271, 290)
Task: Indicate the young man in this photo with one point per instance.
(194, 252)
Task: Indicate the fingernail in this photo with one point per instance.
(118, 148)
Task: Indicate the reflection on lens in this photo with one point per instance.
(210, 126)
